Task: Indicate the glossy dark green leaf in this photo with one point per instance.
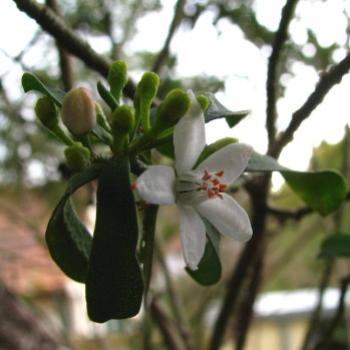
(114, 283)
(67, 239)
(32, 83)
(107, 96)
(337, 245)
(217, 111)
(323, 191)
(209, 268)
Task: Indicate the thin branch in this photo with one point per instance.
(327, 334)
(246, 309)
(68, 39)
(297, 214)
(272, 74)
(65, 59)
(328, 79)
(315, 318)
(180, 321)
(164, 324)
(164, 53)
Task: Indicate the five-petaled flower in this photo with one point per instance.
(198, 191)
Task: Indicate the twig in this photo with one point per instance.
(315, 318)
(164, 325)
(68, 39)
(65, 59)
(328, 79)
(175, 303)
(246, 309)
(327, 334)
(272, 74)
(297, 214)
(163, 54)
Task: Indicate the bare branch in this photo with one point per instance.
(328, 79)
(327, 334)
(68, 39)
(178, 16)
(272, 74)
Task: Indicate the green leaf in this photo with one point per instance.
(107, 96)
(323, 191)
(114, 283)
(217, 111)
(337, 245)
(102, 135)
(32, 83)
(209, 268)
(67, 239)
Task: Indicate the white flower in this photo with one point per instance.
(200, 191)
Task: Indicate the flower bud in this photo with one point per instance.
(175, 105)
(146, 90)
(46, 112)
(77, 156)
(122, 120)
(214, 147)
(117, 78)
(203, 101)
(78, 111)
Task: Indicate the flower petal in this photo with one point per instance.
(231, 159)
(193, 237)
(156, 185)
(189, 137)
(227, 216)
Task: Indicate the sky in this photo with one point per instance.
(223, 52)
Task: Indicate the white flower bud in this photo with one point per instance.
(78, 111)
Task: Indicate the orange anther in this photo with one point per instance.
(220, 173)
(206, 175)
(215, 182)
(222, 187)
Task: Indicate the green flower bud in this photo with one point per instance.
(175, 105)
(77, 156)
(123, 120)
(117, 78)
(146, 90)
(78, 111)
(46, 112)
(203, 101)
(213, 147)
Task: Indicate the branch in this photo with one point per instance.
(175, 303)
(298, 214)
(315, 318)
(65, 59)
(68, 39)
(163, 54)
(246, 309)
(164, 325)
(328, 79)
(327, 334)
(272, 75)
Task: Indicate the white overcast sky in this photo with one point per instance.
(205, 50)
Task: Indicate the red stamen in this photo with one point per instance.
(222, 187)
(206, 175)
(220, 173)
(215, 182)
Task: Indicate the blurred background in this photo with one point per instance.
(221, 46)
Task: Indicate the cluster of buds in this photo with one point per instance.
(126, 128)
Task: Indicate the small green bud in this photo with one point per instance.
(123, 120)
(77, 156)
(203, 101)
(146, 90)
(175, 105)
(214, 147)
(117, 78)
(46, 112)
(78, 111)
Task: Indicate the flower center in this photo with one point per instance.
(196, 187)
(211, 183)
